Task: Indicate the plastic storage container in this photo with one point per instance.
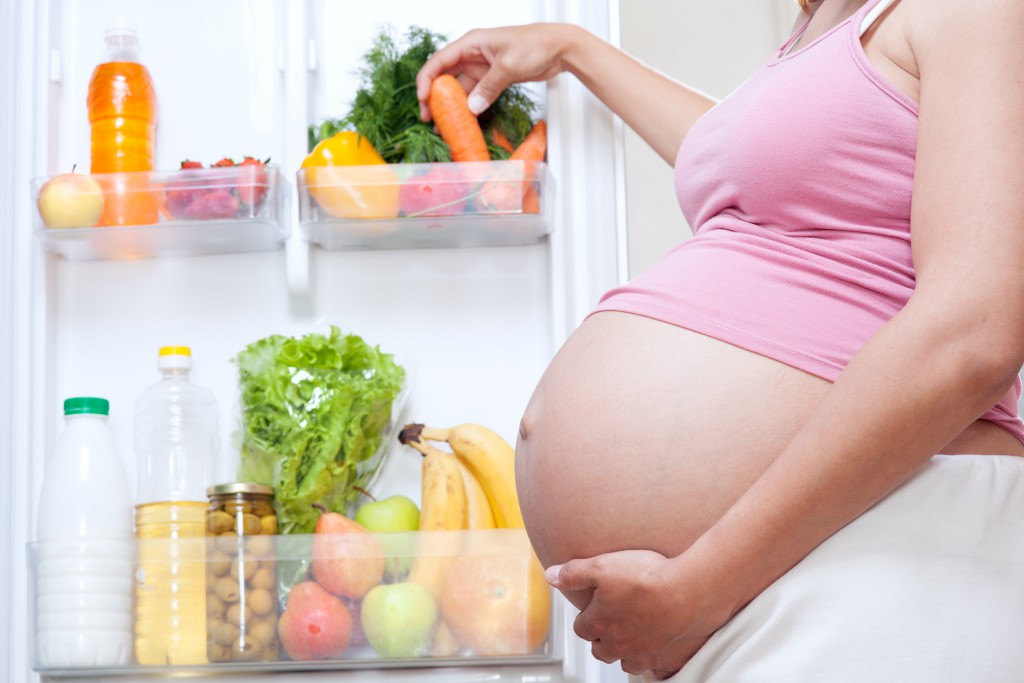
(494, 608)
(83, 563)
(490, 203)
(202, 211)
(176, 444)
(122, 115)
(241, 578)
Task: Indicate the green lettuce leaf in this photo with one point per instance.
(314, 409)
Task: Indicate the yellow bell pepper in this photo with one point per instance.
(348, 178)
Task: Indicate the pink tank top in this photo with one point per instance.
(798, 186)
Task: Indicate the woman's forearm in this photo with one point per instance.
(915, 386)
(660, 110)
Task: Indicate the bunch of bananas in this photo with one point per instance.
(471, 487)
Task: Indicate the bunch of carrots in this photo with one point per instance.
(461, 131)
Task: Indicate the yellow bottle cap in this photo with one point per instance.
(175, 351)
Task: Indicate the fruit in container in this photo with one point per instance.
(315, 624)
(441, 191)
(187, 187)
(347, 178)
(392, 515)
(399, 619)
(70, 200)
(224, 190)
(496, 604)
(218, 203)
(347, 559)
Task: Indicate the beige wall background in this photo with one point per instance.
(711, 45)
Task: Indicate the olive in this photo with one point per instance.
(225, 634)
(269, 524)
(219, 521)
(251, 525)
(228, 542)
(248, 649)
(260, 546)
(260, 600)
(215, 607)
(236, 507)
(244, 568)
(240, 615)
(265, 632)
(219, 563)
(263, 578)
(217, 653)
(226, 589)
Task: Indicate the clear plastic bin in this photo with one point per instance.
(466, 204)
(490, 606)
(188, 212)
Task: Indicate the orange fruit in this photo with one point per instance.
(497, 604)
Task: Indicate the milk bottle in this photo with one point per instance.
(83, 571)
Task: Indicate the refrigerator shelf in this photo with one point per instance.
(496, 608)
(401, 206)
(143, 214)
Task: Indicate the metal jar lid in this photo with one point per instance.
(240, 487)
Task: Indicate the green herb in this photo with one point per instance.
(313, 412)
(386, 111)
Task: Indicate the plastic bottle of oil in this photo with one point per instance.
(122, 115)
(176, 444)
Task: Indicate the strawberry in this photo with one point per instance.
(187, 187)
(214, 204)
(252, 184)
(226, 162)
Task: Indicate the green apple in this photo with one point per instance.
(71, 200)
(394, 514)
(399, 619)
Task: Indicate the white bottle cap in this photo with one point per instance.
(122, 31)
(174, 358)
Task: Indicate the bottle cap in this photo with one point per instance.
(91, 405)
(174, 357)
(239, 487)
(121, 30)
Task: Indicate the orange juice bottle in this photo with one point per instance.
(122, 113)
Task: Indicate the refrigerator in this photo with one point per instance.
(477, 324)
(246, 77)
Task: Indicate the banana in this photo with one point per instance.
(442, 509)
(491, 460)
(478, 508)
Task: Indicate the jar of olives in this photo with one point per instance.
(241, 577)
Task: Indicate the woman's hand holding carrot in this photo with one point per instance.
(487, 61)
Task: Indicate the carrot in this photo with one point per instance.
(501, 140)
(456, 124)
(503, 196)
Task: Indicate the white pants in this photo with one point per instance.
(925, 587)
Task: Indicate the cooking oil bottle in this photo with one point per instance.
(176, 444)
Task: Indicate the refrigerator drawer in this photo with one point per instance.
(326, 601)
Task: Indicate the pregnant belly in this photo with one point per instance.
(641, 434)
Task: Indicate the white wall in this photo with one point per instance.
(712, 45)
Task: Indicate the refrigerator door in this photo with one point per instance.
(241, 77)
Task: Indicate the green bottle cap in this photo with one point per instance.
(86, 404)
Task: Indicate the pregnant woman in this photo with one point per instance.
(790, 451)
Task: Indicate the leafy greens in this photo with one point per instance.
(314, 409)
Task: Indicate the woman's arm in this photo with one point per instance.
(937, 366)
(487, 61)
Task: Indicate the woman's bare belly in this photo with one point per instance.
(641, 434)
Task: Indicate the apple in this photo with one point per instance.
(347, 559)
(399, 619)
(71, 200)
(394, 514)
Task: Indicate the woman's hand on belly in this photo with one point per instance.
(635, 610)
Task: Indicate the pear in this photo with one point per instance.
(348, 560)
(315, 624)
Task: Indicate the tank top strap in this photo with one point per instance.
(870, 12)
